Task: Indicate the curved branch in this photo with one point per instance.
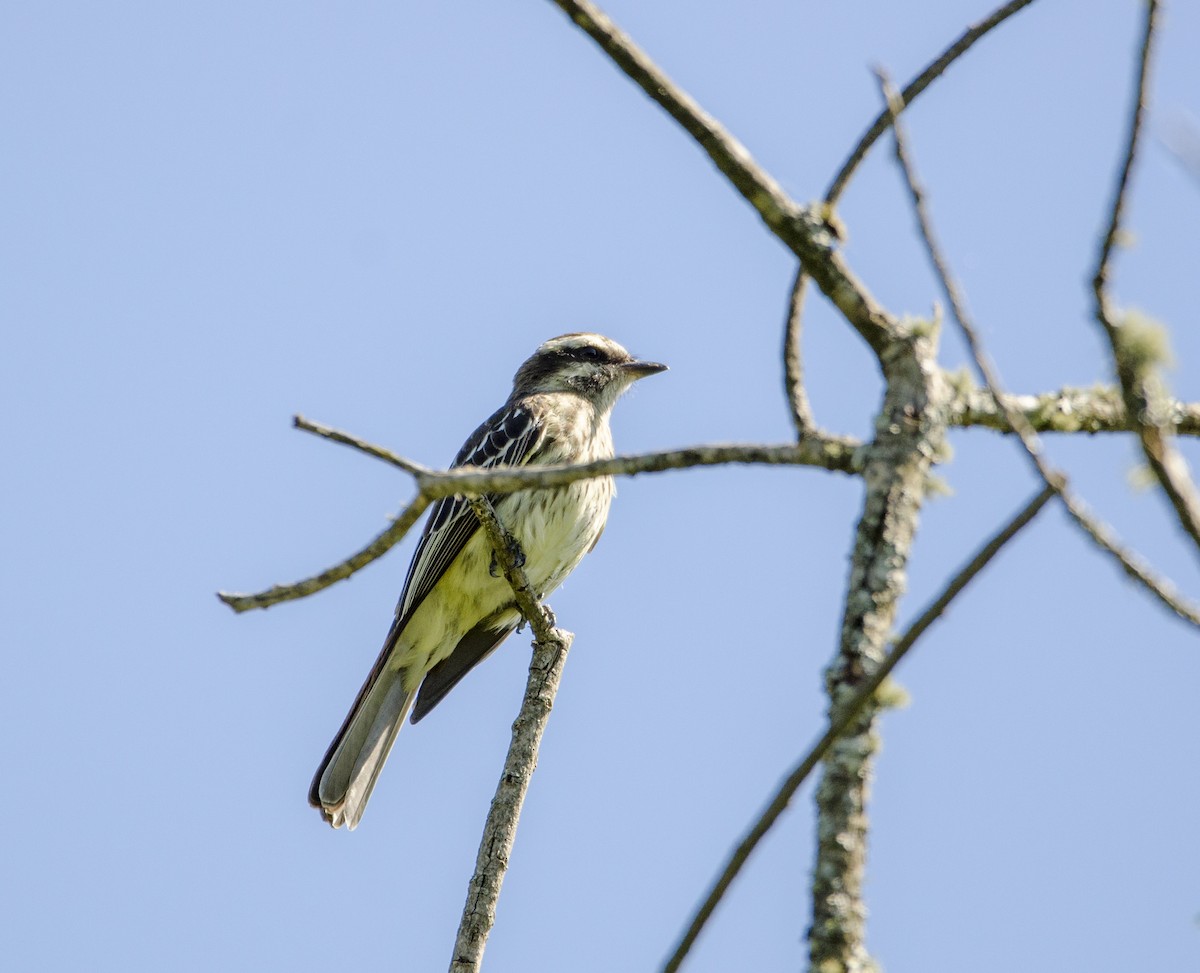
(793, 359)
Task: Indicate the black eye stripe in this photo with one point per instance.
(585, 353)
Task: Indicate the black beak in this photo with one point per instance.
(640, 369)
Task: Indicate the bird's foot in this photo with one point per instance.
(515, 552)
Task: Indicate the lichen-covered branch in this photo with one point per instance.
(500, 831)
(1099, 409)
(909, 430)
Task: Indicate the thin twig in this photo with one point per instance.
(1139, 385)
(337, 436)
(1134, 566)
(918, 84)
(845, 716)
(383, 543)
(1136, 116)
(793, 359)
(500, 830)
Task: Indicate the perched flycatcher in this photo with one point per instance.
(456, 607)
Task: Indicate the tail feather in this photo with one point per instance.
(346, 777)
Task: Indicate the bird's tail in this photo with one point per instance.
(353, 762)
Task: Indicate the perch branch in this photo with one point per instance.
(830, 452)
(500, 831)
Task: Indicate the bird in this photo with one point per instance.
(456, 606)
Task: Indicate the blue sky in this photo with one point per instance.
(216, 216)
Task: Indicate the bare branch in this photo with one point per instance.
(500, 831)
(842, 720)
(339, 572)
(733, 159)
(1129, 338)
(793, 359)
(1096, 410)
(337, 436)
(1134, 566)
(918, 84)
(838, 453)
(1136, 116)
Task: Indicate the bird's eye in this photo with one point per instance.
(589, 353)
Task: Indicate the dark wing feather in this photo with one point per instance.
(509, 438)
(475, 646)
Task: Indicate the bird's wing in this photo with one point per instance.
(509, 438)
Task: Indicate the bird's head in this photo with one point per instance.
(589, 365)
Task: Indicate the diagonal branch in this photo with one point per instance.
(842, 720)
(378, 547)
(1134, 566)
(1134, 367)
(550, 649)
(806, 232)
(337, 436)
(918, 84)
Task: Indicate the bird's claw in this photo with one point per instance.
(515, 552)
